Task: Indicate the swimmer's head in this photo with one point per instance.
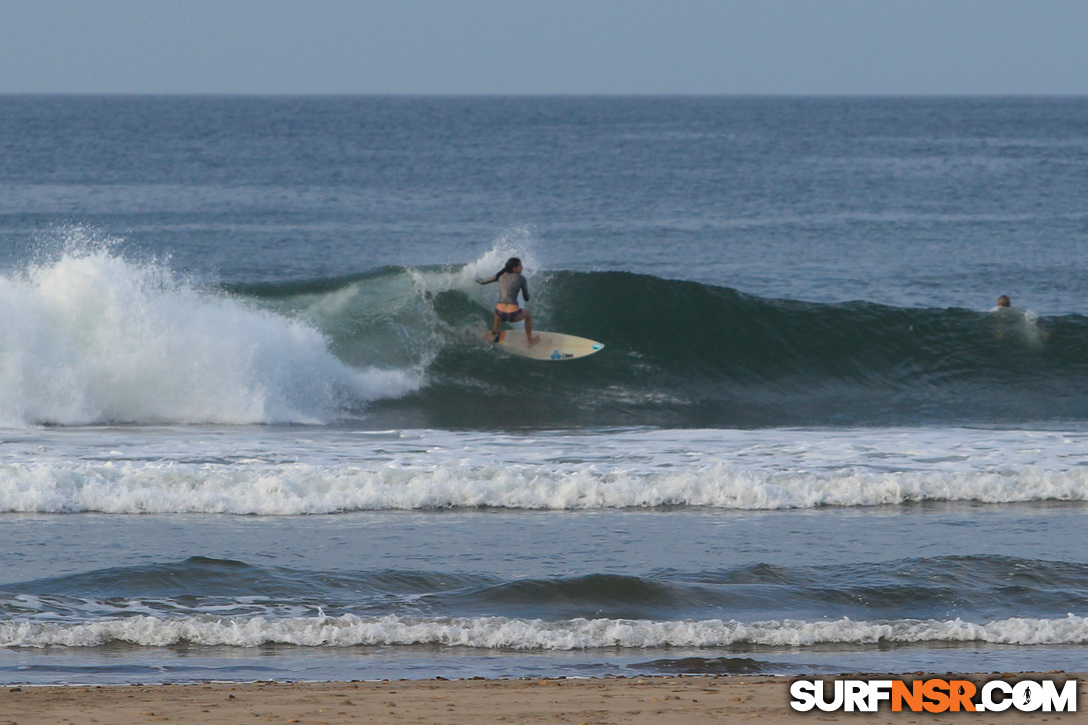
(1004, 301)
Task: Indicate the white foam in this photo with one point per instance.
(284, 470)
(305, 488)
(533, 634)
(92, 337)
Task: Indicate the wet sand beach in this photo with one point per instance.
(634, 701)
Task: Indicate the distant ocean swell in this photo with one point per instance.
(302, 488)
(91, 337)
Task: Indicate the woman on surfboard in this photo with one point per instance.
(507, 309)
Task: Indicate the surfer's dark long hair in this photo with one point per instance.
(511, 264)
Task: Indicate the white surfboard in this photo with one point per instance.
(552, 345)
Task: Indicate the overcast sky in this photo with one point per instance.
(545, 46)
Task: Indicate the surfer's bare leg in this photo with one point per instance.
(495, 327)
(528, 317)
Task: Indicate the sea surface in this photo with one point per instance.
(249, 429)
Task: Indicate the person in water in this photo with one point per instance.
(1013, 320)
(507, 309)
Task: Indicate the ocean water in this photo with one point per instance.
(248, 429)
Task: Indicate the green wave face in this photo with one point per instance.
(688, 354)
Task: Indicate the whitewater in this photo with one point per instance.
(303, 471)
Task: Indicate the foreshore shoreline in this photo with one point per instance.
(612, 700)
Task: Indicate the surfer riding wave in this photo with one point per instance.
(507, 309)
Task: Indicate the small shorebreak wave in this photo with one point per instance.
(212, 602)
(500, 633)
(288, 489)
